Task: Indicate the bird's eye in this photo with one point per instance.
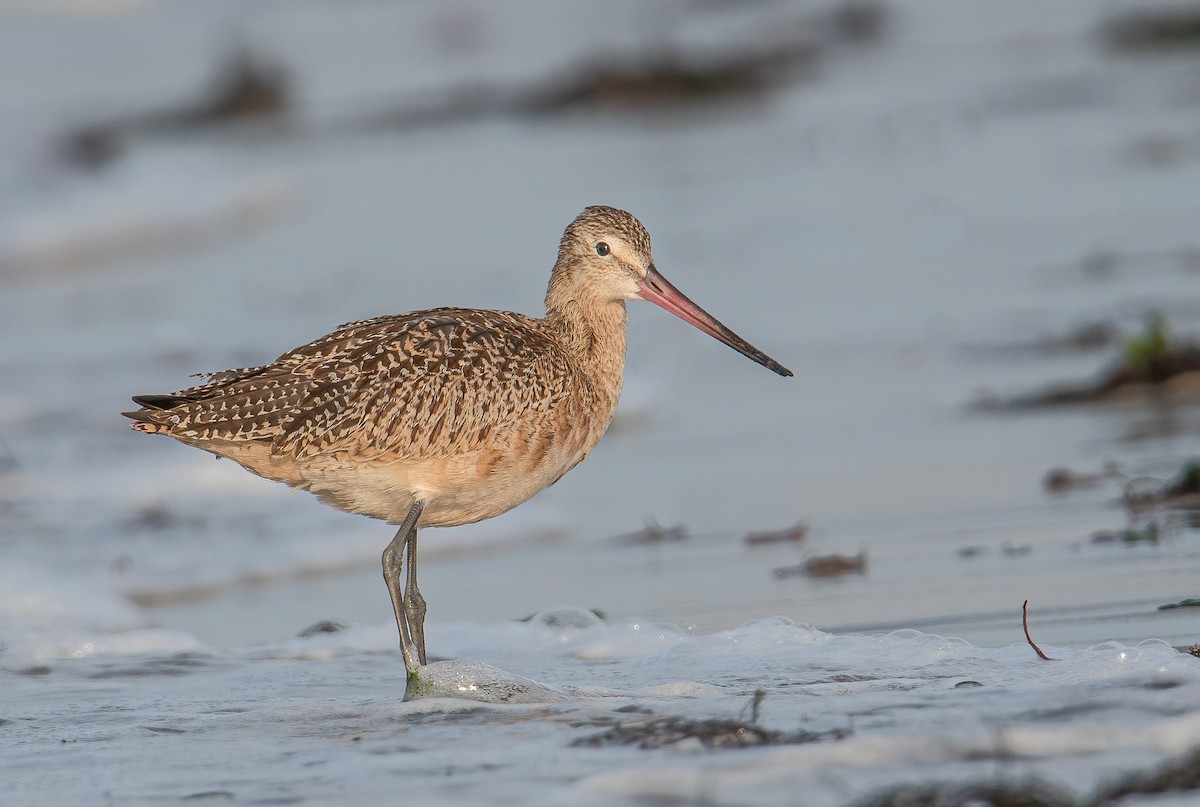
(602, 249)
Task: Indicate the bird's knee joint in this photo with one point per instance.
(392, 560)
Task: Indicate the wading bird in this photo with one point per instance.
(441, 417)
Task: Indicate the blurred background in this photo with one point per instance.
(970, 228)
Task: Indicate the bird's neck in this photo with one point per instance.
(592, 333)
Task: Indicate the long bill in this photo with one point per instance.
(659, 291)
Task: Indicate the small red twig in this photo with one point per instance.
(1028, 638)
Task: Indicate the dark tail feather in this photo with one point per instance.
(152, 408)
(158, 401)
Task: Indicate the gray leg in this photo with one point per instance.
(414, 603)
(393, 568)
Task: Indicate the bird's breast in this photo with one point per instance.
(496, 478)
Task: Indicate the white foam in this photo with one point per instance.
(47, 615)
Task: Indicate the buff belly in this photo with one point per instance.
(456, 490)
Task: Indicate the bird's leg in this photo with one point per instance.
(414, 603)
(393, 568)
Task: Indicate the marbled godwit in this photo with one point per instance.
(441, 417)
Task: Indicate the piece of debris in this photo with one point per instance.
(1194, 650)
(1173, 776)
(1149, 534)
(158, 517)
(634, 709)
(247, 87)
(574, 618)
(754, 705)
(1028, 638)
(1002, 792)
(655, 82)
(667, 731)
(1088, 337)
(859, 21)
(1190, 602)
(664, 80)
(794, 534)
(1062, 480)
(971, 551)
(324, 626)
(1185, 483)
(36, 670)
(662, 77)
(92, 147)
(212, 795)
(154, 517)
(652, 533)
(826, 566)
(1161, 149)
(1178, 775)
(1150, 360)
(1145, 30)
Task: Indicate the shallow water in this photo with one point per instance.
(897, 226)
(321, 720)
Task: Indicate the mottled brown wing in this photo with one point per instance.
(431, 384)
(249, 403)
